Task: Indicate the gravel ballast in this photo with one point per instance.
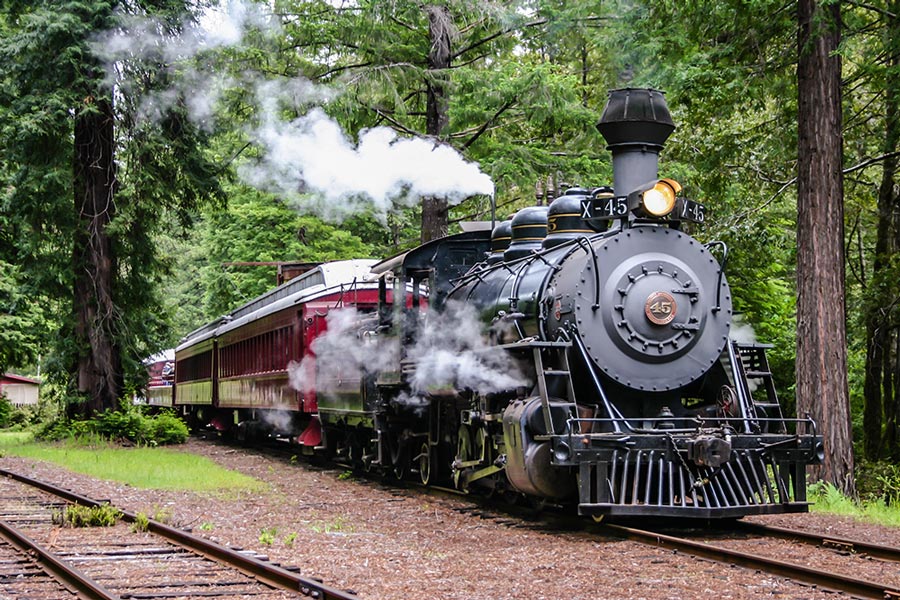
(389, 543)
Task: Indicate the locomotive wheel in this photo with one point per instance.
(401, 465)
(425, 464)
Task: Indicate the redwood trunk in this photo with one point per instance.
(98, 359)
(435, 211)
(821, 330)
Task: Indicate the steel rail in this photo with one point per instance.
(70, 577)
(261, 571)
(831, 581)
(857, 587)
(820, 539)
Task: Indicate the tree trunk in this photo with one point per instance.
(878, 391)
(435, 211)
(821, 317)
(98, 369)
(892, 401)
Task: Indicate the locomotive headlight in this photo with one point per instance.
(659, 200)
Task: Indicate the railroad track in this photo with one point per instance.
(820, 577)
(856, 586)
(119, 562)
(827, 579)
(888, 553)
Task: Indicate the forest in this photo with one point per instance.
(152, 147)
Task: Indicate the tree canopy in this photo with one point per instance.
(207, 109)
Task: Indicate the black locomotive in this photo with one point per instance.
(625, 394)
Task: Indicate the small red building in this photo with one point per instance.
(20, 391)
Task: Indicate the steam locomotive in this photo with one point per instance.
(599, 373)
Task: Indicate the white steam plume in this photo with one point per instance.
(741, 331)
(309, 160)
(144, 37)
(450, 353)
(313, 154)
(341, 354)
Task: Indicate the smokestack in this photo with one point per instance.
(635, 123)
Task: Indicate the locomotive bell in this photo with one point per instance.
(564, 218)
(635, 123)
(529, 228)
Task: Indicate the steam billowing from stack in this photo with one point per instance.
(308, 160)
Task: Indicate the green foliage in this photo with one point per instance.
(21, 320)
(162, 175)
(6, 411)
(166, 428)
(162, 514)
(254, 227)
(879, 481)
(76, 515)
(126, 425)
(141, 523)
(827, 498)
(15, 438)
(120, 425)
(267, 536)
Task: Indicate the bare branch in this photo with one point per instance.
(340, 69)
(870, 161)
(494, 36)
(488, 123)
(395, 123)
(881, 11)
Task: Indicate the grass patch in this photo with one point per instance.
(336, 525)
(149, 468)
(15, 438)
(76, 515)
(828, 499)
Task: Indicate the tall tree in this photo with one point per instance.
(94, 263)
(67, 139)
(822, 389)
(882, 288)
(878, 386)
(435, 214)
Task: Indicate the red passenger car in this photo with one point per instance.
(235, 371)
(161, 377)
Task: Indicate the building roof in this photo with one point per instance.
(11, 378)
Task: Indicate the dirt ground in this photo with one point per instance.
(384, 543)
